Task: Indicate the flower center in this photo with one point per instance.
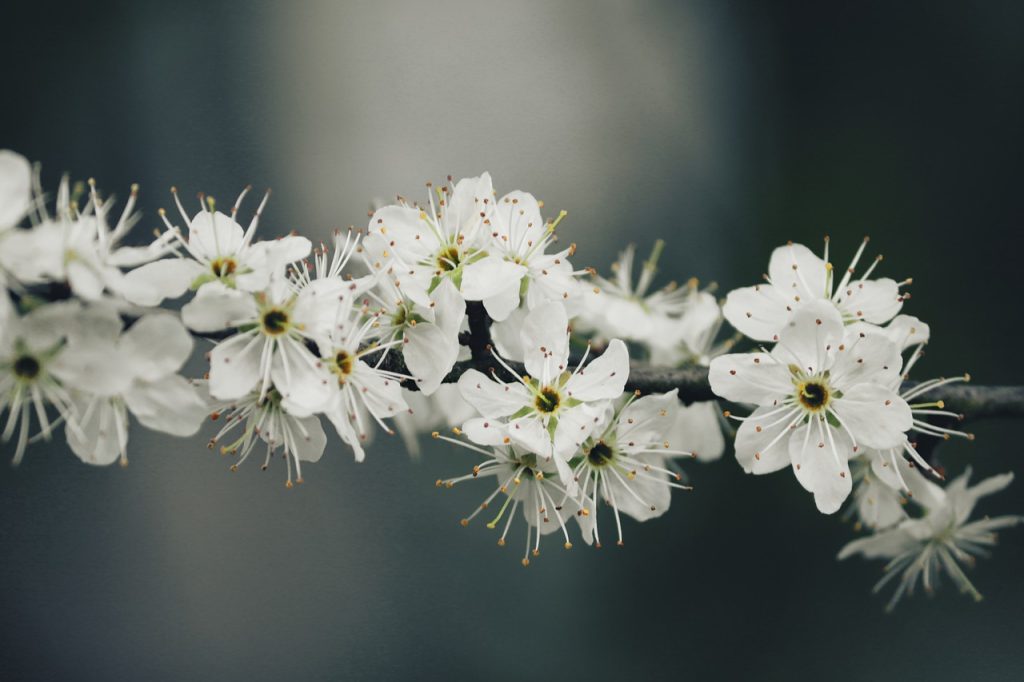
(448, 258)
(26, 367)
(813, 395)
(547, 400)
(275, 322)
(601, 454)
(222, 267)
(343, 365)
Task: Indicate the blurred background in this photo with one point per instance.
(724, 127)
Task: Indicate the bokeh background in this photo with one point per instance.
(724, 127)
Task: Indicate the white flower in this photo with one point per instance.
(265, 418)
(524, 481)
(15, 189)
(146, 359)
(520, 236)
(357, 389)
(629, 311)
(44, 356)
(426, 325)
(796, 278)
(821, 398)
(552, 411)
(624, 463)
(446, 240)
(219, 250)
(78, 246)
(270, 345)
(942, 540)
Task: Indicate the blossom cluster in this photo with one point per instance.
(463, 317)
(832, 402)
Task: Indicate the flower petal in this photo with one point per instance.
(235, 365)
(492, 398)
(820, 453)
(604, 378)
(875, 415)
(155, 346)
(755, 378)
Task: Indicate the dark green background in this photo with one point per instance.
(726, 128)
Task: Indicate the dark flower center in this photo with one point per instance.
(600, 454)
(344, 363)
(222, 267)
(26, 367)
(275, 322)
(547, 400)
(813, 395)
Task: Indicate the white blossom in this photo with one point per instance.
(217, 249)
(526, 482)
(625, 461)
(551, 411)
(270, 345)
(944, 539)
(821, 396)
(77, 246)
(264, 418)
(797, 278)
(148, 356)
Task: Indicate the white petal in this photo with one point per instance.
(545, 338)
(697, 428)
(604, 378)
(485, 431)
(874, 415)
(647, 420)
(796, 271)
(310, 439)
(811, 338)
(489, 277)
(875, 301)
(155, 346)
(506, 336)
(382, 395)
(99, 438)
(820, 463)
(304, 383)
(759, 312)
(15, 188)
(501, 305)
(214, 234)
(215, 307)
(449, 307)
(400, 230)
(755, 378)
(235, 365)
(574, 426)
(345, 431)
(170, 405)
(530, 433)
(762, 441)
(150, 284)
(870, 358)
(491, 398)
(429, 354)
